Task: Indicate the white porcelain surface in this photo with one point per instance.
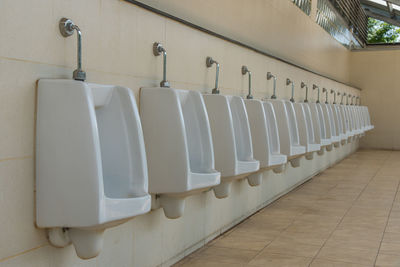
(91, 168)
(179, 146)
(231, 136)
(264, 133)
(287, 128)
(319, 125)
(306, 128)
(330, 121)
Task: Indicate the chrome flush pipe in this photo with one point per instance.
(334, 96)
(316, 87)
(244, 71)
(358, 100)
(158, 49)
(209, 62)
(352, 98)
(288, 81)
(347, 99)
(67, 28)
(324, 90)
(269, 77)
(302, 85)
(343, 95)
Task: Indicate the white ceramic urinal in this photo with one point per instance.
(91, 170)
(232, 140)
(336, 123)
(288, 131)
(341, 123)
(367, 117)
(306, 129)
(178, 145)
(328, 113)
(321, 134)
(264, 134)
(350, 121)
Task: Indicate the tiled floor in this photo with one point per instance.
(347, 216)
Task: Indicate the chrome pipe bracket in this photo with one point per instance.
(334, 96)
(302, 85)
(269, 77)
(288, 81)
(324, 90)
(314, 88)
(158, 49)
(67, 28)
(244, 71)
(209, 62)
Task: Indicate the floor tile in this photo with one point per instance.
(347, 255)
(290, 246)
(267, 259)
(384, 260)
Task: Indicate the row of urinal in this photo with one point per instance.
(97, 159)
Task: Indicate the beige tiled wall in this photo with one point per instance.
(117, 49)
(377, 72)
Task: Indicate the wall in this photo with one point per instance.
(117, 49)
(377, 73)
(273, 26)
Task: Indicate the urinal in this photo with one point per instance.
(232, 140)
(350, 120)
(357, 124)
(343, 128)
(91, 170)
(179, 146)
(324, 134)
(336, 124)
(265, 138)
(306, 129)
(367, 118)
(328, 113)
(288, 131)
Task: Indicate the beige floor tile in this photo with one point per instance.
(384, 260)
(310, 238)
(390, 248)
(225, 255)
(241, 242)
(345, 254)
(393, 225)
(204, 263)
(290, 246)
(391, 237)
(328, 263)
(266, 259)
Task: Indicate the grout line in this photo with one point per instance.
(387, 222)
(316, 255)
(16, 158)
(21, 253)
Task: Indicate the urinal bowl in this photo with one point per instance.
(288, 131)
(233, 146)
(175, 122)
(265, 138)
(100, 178)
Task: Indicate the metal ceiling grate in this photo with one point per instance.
(304, 5)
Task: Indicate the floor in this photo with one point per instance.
(348, 215)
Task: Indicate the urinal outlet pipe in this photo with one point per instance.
(334, 96)
(67, 28)
(158, 49)
(302, 86)
(209, 62)
(269, 77)
(324, 90)
(314, 88)
(289, 81)
(244, 71)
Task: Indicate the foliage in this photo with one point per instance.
(382, 32)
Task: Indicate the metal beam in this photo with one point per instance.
(396, 2)
(383, 18)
